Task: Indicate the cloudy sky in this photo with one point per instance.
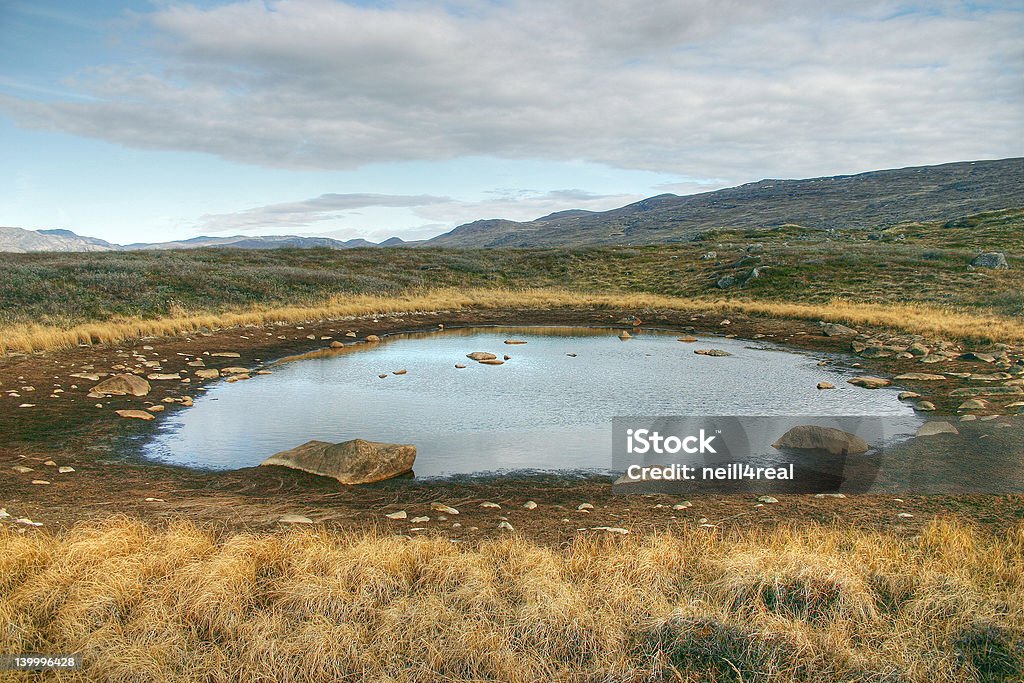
(166, 119)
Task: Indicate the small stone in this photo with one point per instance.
(295, 519)
(612, 529)
(27, 522)
(372, 338)
(50, 463)
(21, 469)
(571, 355)
(41, 482)
(460, 366)
(226, 354)
(336, 344)
(767, 499)
(530, 505)
(924, 406)
(505, 525)
(907, 395)
(65, 469)
(156, 409)
(400, 372)
(826, 385)
(904, 515)
(687, 340)
(441, 507)
(514, 341)
(401, 514)
(383, 376)
(682, 506)
(493, 506)
(419, 520)
(830, 495)
(585, 506)
(154, 500)
(711, 352)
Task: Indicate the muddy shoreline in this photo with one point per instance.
(67, 428)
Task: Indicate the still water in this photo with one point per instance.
(542, 410)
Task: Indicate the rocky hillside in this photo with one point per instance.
(874, 200)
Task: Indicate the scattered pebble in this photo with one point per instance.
(490, 505)
(401, 514)
(505, 525)
(767, 499)
(441, 507)
(585, 506)
(529, 505)
(419, 520)
(65, 469)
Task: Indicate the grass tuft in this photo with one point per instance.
(185, 604)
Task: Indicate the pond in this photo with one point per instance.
(542, 410)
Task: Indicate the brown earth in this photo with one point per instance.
(71, 430)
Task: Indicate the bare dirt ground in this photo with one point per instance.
(68, 429)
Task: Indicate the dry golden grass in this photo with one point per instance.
(913, 318)
(816, 604)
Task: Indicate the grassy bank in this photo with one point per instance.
(810, 605)
(918, 268)
(913, 318)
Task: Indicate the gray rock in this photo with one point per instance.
(350, 462)
(725, 282)
(711, 352)
(814, 437)
(991, 259)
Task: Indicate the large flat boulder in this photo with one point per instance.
(350, 462)
(814, 437)
(122, 385)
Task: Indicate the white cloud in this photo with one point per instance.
(302, 213)
(725, 89)
(443, 212)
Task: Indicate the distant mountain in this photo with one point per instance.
(863, 201)
(860, 202)
(19, 240)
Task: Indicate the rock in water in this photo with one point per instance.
(813, 437)
(711, 352)
(350, 462)
(869, 382)
(122, 385)
(990, 259)
(480, 355)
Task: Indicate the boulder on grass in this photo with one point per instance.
(814, 437)
(991, 259)
(350, 462)
(122, 385)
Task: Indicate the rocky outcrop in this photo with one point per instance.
(814, 437)
(350, 462)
